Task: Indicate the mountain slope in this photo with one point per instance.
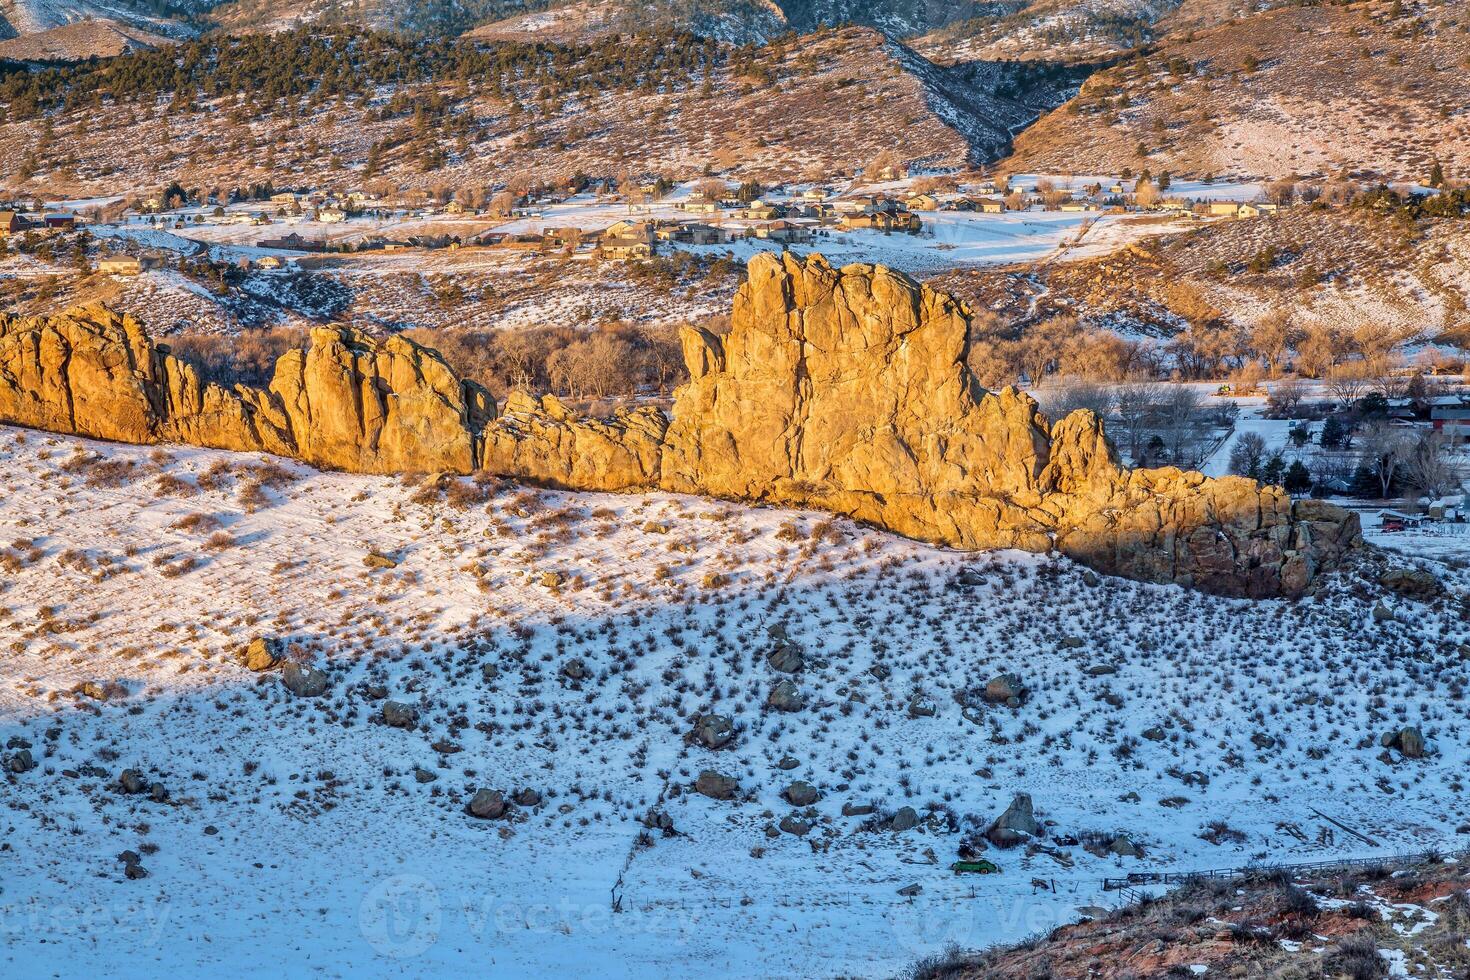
(79, 41)
(1304, 90)
(806, 109)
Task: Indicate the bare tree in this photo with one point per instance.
(1247, 455)
(1384, 449)
(1133, 406)
(1286, 397)
(1427, 467)
(711, 189)
(1349, 383)
(1064, 399)
(1182, 424)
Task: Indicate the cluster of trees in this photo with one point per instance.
(1360, 449)
(617, 360)
(1450, 202)
(1151, 423)
(353, 62)
(613, 361)
(1002, 353)
(1249, 457)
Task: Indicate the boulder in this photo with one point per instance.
(131, 782)
(263, 653)
(1416, 583)
(793, 824)
(786, 658)
(21, 761)
(801, 793)
(716, 786)
(856, 809)
(528, 798)
(907, 818)
(396, 714)
(714, 731)
(1005, 689)
(303, 681)
(1124, 847)
(487, 804)
(922, 706)
(910, 891)
(1016, 825)
(786, 697)
(1409, 741)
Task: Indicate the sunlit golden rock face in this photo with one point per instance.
(842, 389)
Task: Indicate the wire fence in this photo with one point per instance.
(1131, 893)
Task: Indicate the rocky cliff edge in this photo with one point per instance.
(841, 389)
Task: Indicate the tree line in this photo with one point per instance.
(354, 62)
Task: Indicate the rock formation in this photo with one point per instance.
(842, 389)
(346, 403)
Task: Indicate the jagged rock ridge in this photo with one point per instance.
(842, 389)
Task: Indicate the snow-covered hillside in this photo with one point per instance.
(562, 649)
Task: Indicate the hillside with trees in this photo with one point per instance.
(1375, 89)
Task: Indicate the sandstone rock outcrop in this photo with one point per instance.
(346, 403)
(841, 389)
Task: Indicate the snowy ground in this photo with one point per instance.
(299, 826)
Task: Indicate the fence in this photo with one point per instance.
(1129, 885)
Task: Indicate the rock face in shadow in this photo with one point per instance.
(841, 389)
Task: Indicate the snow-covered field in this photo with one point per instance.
(301, 837)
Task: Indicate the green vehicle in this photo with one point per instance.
(975, 868)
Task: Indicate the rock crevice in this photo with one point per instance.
(840, 389)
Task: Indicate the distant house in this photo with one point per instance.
(923, 202)
(763, 211)
(1074, 206)
(331, 215)
(1223, 209)
(12, 222)
(454, 207)
(624, 248)
(565, 235)
(126, 265)
(783, 231)
(701, 207)
(884, 220)
(702, 234)
(628, 240)
(1255, 210)
(990, 205)
(293, 242)
(1451, 416)
(285, 197)
(625, 229)
(60, 222)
